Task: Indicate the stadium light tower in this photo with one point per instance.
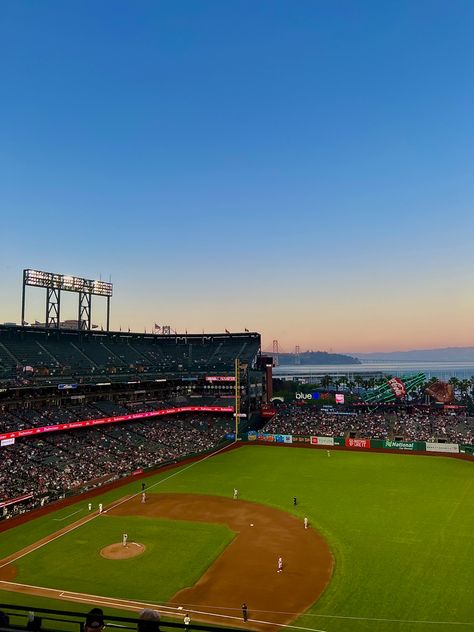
(55, 284)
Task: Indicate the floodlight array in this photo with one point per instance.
(67, 283)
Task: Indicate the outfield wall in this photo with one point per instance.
(335, 443)
(374, 445)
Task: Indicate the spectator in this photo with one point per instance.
(94, 620)
(4, 620)
(148, 621)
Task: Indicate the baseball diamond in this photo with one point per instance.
(202, 554)
(247, 558)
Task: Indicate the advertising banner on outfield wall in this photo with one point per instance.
(274, 438)
(399, 445)
(301, 439)
(322, 440)
(442, 447)
(357, 443)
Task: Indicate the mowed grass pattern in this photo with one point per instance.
(401, 528)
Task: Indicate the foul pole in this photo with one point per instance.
(237, 396)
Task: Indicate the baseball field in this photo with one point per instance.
(390, 544)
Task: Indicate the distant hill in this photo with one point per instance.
(447, 354)
(316, 357)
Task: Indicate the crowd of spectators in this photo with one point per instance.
(57, 463)
(419, 425)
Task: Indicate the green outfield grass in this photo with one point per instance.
(401, 528)
(177, 554)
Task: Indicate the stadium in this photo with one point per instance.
(156, 472)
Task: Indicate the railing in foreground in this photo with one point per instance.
(51, 620)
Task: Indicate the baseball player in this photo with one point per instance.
(89, 506)
(280, 565)
(245, 615)
(124, 539)
(294, 501)
(186, 621)
(143, 497)
(305, 523)
(100, 507)
(236, 493)
(328, 452)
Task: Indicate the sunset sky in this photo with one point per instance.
(302, 169)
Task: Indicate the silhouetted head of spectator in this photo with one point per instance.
(94, 620)
(4, 620)
(148, 621)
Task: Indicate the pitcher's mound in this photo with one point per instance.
(120, 552)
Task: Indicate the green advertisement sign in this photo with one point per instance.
(397, 445)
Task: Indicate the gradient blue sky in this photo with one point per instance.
(303, 169)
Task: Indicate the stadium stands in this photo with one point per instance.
(68, 353)
(309, 420)
(59, 463)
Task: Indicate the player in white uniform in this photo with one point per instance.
(100, 507)
(305, 523)
(89, 506)
(328, 452)
(280, 565)
(125, 539)
(143, 497)
(236, 493)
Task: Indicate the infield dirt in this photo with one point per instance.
(246, 572)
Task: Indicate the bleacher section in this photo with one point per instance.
(47, 466)
(56, 354)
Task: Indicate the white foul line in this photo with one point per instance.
(115, 603)
(120, 502)
(69, 516)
